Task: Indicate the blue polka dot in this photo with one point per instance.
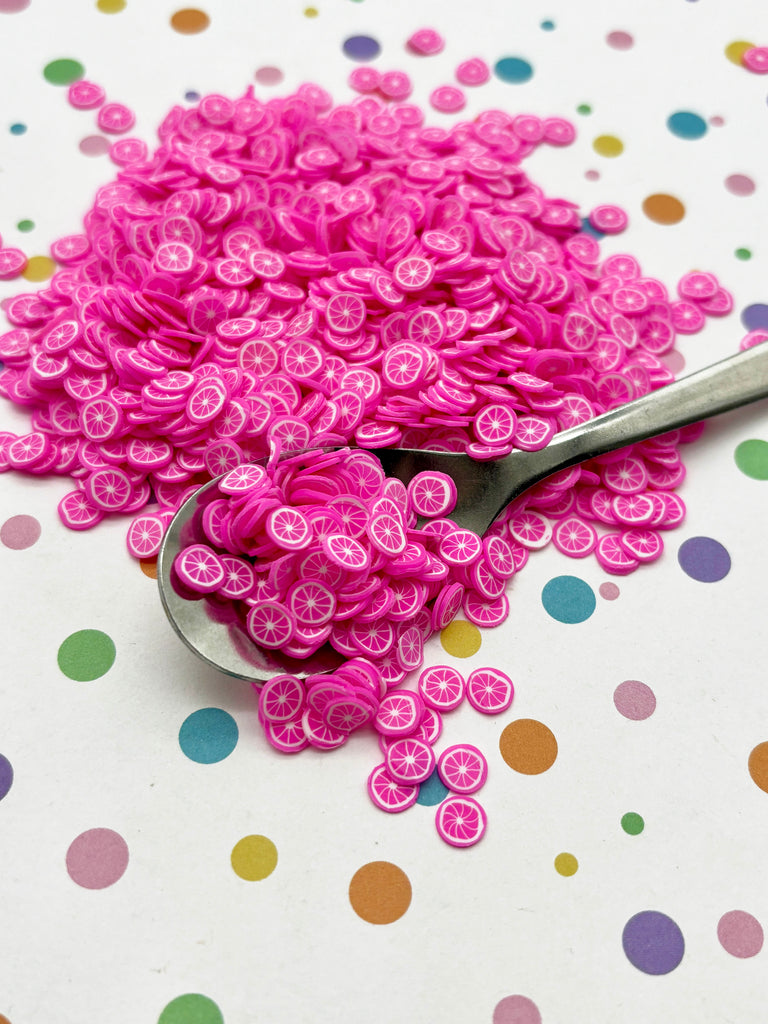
(6, 776)
(513, 69)
(589, 229)
(18, 129)
(704, 559)
(361, 48)
(755, 317)
(568, 599)
(686, 125)
(191, 96)
(547, 25)
(208, 735)
(432, 791)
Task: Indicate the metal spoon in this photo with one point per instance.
(484, 489)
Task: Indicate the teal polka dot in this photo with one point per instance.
(513, 69)
(686, 125)
(208, 735)
(568, 599)
(432, 791)
(18, 128)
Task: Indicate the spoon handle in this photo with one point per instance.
(725, 385)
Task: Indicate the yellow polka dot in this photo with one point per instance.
(311, 12)
(110, 6)
(608, 145)
(461, 639)
(39, 268)
(735, 51)
(254, 858)
(566, 864)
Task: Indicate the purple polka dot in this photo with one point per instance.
(516, 1010)
(755, 317)
(740, 184)
(704, 559)
(634, 700)
(620, 40)
(94, 145)
(20, 532)
(740, 934)
(653, 943)
(97, 858)
(361, 48)
(6, 776)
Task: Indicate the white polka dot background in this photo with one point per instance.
(450, 225)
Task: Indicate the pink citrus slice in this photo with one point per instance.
(463, 768)
(461, 821)
(489, 690)
(388, 794)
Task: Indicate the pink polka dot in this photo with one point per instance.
(609, 591)
(674, 361)
(97, 858)
(740, 185)
(13, 6)
(516, 1010)
(716, 121)
(592, 175)
(94, 145)
(269, 76)
(740, 934)
(20, 532)
(634, 700)
(620, 40)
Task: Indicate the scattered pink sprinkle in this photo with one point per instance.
(426, 42)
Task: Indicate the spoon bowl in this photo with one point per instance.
(214, 631)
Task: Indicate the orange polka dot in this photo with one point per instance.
(4, 1020)
(528, 746)
(380, 892)
(663, 209)
(149, 568)
(758, 766)
(190, 21)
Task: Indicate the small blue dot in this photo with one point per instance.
(432, 791)
(513, 69)
(18, 129)
(590, 230)
(208, 735)
(686, 125)
(568, 599)
(547, 25)
(191, 96)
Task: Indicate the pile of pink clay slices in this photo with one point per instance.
(287, 275)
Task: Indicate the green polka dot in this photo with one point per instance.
(632, 823)
(583, 108)
(64, 71)
(86, 655)
(25, 225)
(743, 254)
(191, 1009)
(752, 458)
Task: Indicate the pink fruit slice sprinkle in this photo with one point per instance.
(388, 794)
(410, 760)
(489, 690)
(461, 821)
(463, 768)
(442, 687)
